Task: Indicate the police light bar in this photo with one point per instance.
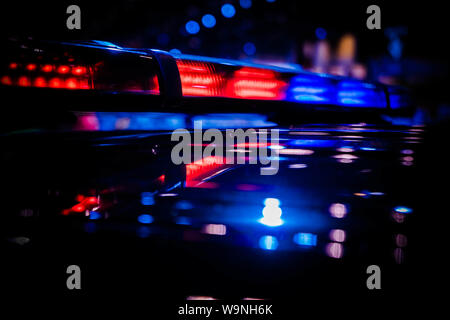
(101, 66)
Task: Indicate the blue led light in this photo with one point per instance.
(245, 3)
(268, 243)
(402, 209)
(147, 199)
(249, 48)
(209, 20)
(192, 27)
(272, 202)
(305, 239)
(93, 215)
(311, 89)
(228, 10)
(321, 33)
(271, 213)
(145, 218)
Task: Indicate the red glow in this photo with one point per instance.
(154, 85)
(78, 71)
(13, 65)
(254, 83)
(79, 208)
(6, 80)
(40, 82)
(79, 198)
(63, 69)
(24, 81)
(91, 200)
(47, 68)
(31, 67)
(203, 168)
(161, 179)
(72, 83)
(199, 79)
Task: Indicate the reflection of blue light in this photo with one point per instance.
(245, 3)
(145, 218)
(90, 227)
(209, 20)
(305, 239)
(228, 10)
(249, 48)
(192, 27)
(401, 209)
(147, 199)
(268, 243)
(93, 215)
(184, 205)
(176, 51)
(143, 232)
(109, 121)
(368, 149)
(232, 120)
(321, 33)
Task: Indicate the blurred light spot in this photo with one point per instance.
(200, 298)
(407, 163)
(268, 243)
(168, 194)
(404, 210)
(184, 205)
(335, 250)
(216, 229)
(185, 221)
(245, 3)
(272, 202)
(192, 27)
(345, 156)
(401, 240)
(368, 149)
(145, 218)
(176, 51)
(345, 160)
(408, 158)
(399, 255)
(143, 232)
(270, 1)
(247, 187)
(297, 152)
(377, 193)
(337, 235)
(228, 10)
(321, 33)
(345, 149)
(147, 199)
(271, 213)
(209, 20)
(249, 48)
(298, 166)
(407, 151)
(305, 239)
(398, 217)
(93, 215)
(338, 210)
(360, 194)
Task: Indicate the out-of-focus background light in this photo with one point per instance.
(245, 3)
(209, 21)
(228, 10)
(192, 27)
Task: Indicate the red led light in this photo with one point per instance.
(254, 83)
(199, 79)
(40, 82)
(91, 200)
(47, 68)
(204, 167)
(63, 69)
(79, 208)
(31, 67)
(72, 83)
(79, 198)
(23, 81)
(13, 65)
(56, 83)
(6, 80)
(78, 71)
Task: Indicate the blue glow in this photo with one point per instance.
(401, 209)
(354, 93)
(276, 147)
(228, 10)
(321, 33)
(209, 20)
(368, 149)
(268, 243)
(145, 218)
(143, 232)
(312, 89)
(93, 215)
(305, 239)
(90, 227)
(110, 121)
(233, 120)
(270, 1)
(184, 205)
(249, 48)
(192, 27)
(147, 199)
(245, 3)
(176, 51)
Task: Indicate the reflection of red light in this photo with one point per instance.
(63, 69)
(31, 67)
(161, 179)
(40, 82)
(204, 167)
(79, 208)
(13, 65)
(79, 198)
(47, 68)
(79, 71)
(154, 85)
(91, 200)
(24, 81)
